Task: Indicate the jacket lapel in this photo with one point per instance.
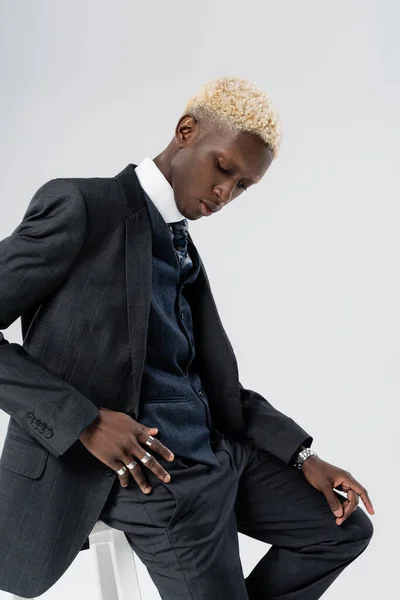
(138, 263)
(215, 361)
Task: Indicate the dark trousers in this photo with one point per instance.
(186, 531)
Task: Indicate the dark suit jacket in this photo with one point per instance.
(77, 270)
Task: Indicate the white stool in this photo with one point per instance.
(115, 564)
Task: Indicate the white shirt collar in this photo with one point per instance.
(158, 189)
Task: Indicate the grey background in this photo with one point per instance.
(303, 266)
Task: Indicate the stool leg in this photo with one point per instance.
(125, 568)
(107, 586)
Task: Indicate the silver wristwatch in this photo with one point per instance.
(302, 456)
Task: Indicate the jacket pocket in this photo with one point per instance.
(161, 399)
(22, 457)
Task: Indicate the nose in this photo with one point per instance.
(224, 194)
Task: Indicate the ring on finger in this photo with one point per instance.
(146, 458)
(150, 440)
(132, 464)
(122, 470)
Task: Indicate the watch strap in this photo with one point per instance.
(302, 456)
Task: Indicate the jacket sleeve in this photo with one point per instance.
(34, 261)
(269, 429)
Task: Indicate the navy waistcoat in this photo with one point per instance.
(171, 394)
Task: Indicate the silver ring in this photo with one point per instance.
(146, 458)
(122, 470)
(150, 440)
(132, 464)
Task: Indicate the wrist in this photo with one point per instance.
(308, 462)
(89, 429)
(304, 455)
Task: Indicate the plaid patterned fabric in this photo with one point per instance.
(180, 231)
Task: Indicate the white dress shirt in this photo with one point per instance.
(158, 189)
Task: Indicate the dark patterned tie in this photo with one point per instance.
(180, 232)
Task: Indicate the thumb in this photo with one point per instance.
(333, 501)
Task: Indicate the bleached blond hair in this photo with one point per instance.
(238, 105)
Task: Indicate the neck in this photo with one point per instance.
(163, 162)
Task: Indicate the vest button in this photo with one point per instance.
(182, 315)
(201, 393)
(131, 413)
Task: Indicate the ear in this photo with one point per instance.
(186, 130)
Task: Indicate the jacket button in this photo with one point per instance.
(29, 417)
(201, 393)
(48, 432)
(108, 472)
(182, 315)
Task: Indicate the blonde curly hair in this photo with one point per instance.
(238, 105)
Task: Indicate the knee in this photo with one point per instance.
(363, 524)
(358, 528)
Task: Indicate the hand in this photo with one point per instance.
(115, 438)
(324, 477)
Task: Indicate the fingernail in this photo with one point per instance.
(337, 512)
(171, 456)
(147, 489)
(167, 477)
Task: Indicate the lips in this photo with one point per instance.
(205, 211)
(210, 206)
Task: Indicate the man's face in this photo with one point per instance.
(214, 168)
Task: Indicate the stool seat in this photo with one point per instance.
(116, 573)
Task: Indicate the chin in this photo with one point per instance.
(187, 213)
(190, 217)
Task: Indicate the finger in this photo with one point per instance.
(362, 492)
(139, 477)
(155, 445)
(136, 472)
(151, 463)
(349, 506)
(146, 430)
(123, 479)
(143, 429)
(333, 501)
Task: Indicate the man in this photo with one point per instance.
(124, 399)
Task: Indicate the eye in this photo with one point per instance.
(222, 169)
(240, 185)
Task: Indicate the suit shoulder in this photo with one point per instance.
(88, 185)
